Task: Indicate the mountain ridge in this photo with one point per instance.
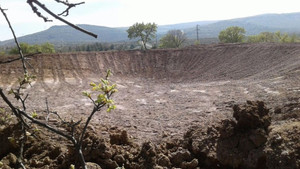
(60, 35)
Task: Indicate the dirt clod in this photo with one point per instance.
(90, 165)
(283, 146)
(235, 143)
(119, 159)
(119, 138)
(10, 160)
(189, 165)
(163, 160)
(180, 156)
(252, 115)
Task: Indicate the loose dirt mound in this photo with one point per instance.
(225, 145)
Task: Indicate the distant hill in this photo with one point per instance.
(162, 29)
(289, 23)
(60, 35)
(68, 35)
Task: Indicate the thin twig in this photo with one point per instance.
(29, 65)
(26, 57)
(30, 2)
(74, 125)
(21, 114)
(69, 5)
(36, 11)
(32, 54)
(16, 113)
(11, 60)
(49, 113)
(16, 40)
(23, 101)
(22, 143)
(95, 109)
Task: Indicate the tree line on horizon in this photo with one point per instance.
(146, 39)
(235, 34)
(177, 38)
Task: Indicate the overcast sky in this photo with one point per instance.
(119, 13)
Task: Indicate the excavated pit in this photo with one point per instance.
(184, 108)
(164, 92)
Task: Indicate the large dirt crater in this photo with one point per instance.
(162, 93)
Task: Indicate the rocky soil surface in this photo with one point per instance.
(184, 108)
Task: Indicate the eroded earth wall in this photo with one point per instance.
(201, 63)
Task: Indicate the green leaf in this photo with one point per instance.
(93, 84)
(113, 86)
(101, 98)
(13, 142)
(11, 91)
(114, 90)
(72, 166)
(36, 129)
(108, 89)
(105, 82)
(108, 73)
(85, 93)
(34, 114)
(111, 107)
(110, 101)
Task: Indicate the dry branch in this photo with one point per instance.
(69, 6)
(22, 115)
(26, 57)
(16, 40)
(35, 10)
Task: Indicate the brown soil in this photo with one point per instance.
(163, 93)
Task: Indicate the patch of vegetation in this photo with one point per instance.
(29, 49)
(144, 32)
(98, 47)
(233, 34)
(273, 37)
(173, 39)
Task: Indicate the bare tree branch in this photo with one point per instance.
(22, 143)
(69, 5)
(21, 114)
(35, 10)
(52, 112)
(31, 2)
(16, 40)
(17, 111)
(95, 109)
(26, 57)
(9, 61)
(14, 110)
